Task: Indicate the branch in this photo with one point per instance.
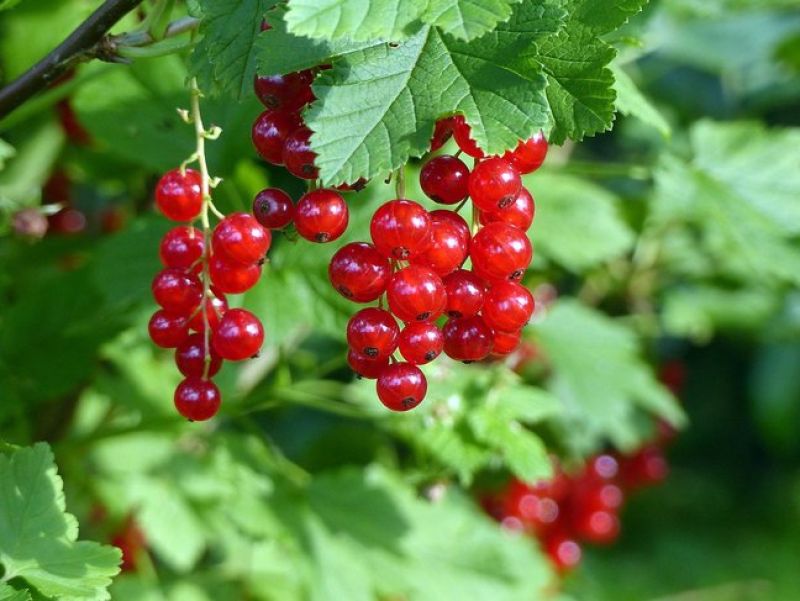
(82, 44)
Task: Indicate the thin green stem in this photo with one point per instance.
(400, 182)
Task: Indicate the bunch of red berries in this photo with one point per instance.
(199, 270)
(572, 508)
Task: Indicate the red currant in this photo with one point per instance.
(463, 136)
(270, 132)
(179, 195)
(467, 339)
(190, 357)
(456, 221)
(182, 247)
(232, 278)
(494, 184)
(421, 342)
(197, 400)
(444, 179)
(599, 527)
(285, 92)
(446, 251)
(321, 216)
(505, 343)
(166, 329)
(519, 213)
(647, 466)
(273, 208)
(177, 291)
(241, 238)
(373, 333)
(529, 154)
(500, 252)
(366, 367)
(441, 133)
(298, 156)
(507, 306)
(465, 292)
(401, 229)
(416, 293)
(239, 335)
(215, 307)
(359, 272)
(563, 551)
(401, 386)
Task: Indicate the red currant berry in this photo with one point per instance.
(239, 335)
(598, 527)
(166, 329)
(465, 292)
(67, 221)
(401, 229)
(529, 154)
(373, 333)
(441, 133)
(416, 293)
(298, 156)
(602, 496)
(602, 467)
(505, 343)
(467, 339)
(519, 213)
(455, 220)
(446, 251)
(508, 306)
(179, 195)
(285, 92)
(270, 132)
(500, 252)
(359, 272)
(321, 216)
(564, 552)
(646, 467)
(444, 179)
(232, 278)
(177, 291)
(401, 386)
(190, 357)
(197, 400)
(366, 367)
(463, 136)
(241, 238)
(182, 247)
(494, 184)
(273, 208)
(215, 307)
(421, 342)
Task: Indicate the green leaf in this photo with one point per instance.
(566, 208)
(224, 60)
(6, 152)
(604, 17)
(5, 5)
(9, 594)
(468, 19)
(631, 101)
(38, 540)
(21, 182)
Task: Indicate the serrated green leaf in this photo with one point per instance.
(467, 19)
(631, 101)
(603, 17)
(38, 539)
(566, 208)
(9, 594)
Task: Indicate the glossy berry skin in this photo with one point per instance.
(321, 216)
(239, 335)
(401, 229)
(366, 367)
(179, 195)
(467, 339)
(494, 184)
(456, 221)
(182, 247)
(298, 156)
(359, 272)
(563, 551)
(270, 132)
(519, 213)
(465, 293)
(215, 307)
(444, 179)
(416, 293)
(463, 136)
(598, 527)
(508, 306)
(442, 132)
(500, 252)
(505, 343)
(190, 357)
(529, 154)
(446, 251)
(177, 291)
(289, 92)
(232, 278)
(401, 386)
(421, 342)
(197, 400)
(166, 329)
(241, 238)
(273, 208)
(373, 333)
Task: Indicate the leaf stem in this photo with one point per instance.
(400, 182)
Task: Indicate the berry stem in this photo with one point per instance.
(400, 182)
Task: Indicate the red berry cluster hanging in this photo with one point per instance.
(572, 508)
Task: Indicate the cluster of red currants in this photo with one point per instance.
(199, 270)
(571, 508)
(416, 263)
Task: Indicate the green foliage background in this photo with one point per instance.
(672, 237)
